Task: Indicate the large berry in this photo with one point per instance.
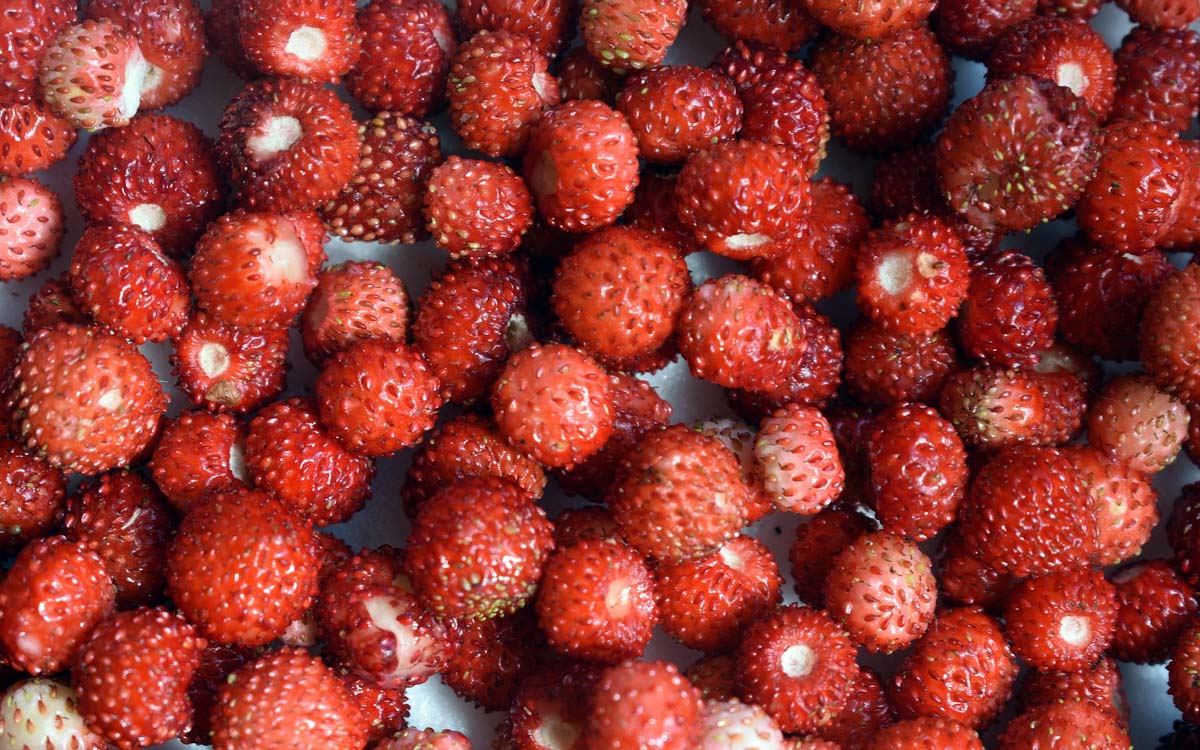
(225, 368)
(41, 713)
(199, 453)
(1062, 620)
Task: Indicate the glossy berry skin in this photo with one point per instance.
(1064, 50)
(1067, 724)
(1157, 73)
(714, 197)
(31, 496)
(498, 88)
(877, 20)
(407, 49)
(1030, 167)
(377, 397)
(132, 677)
(798, 664)
(926, 732)
(1009, 314)
(41, 712)
(551, 700)
(32, 138)
(27, 28)
(196, 454)
(54, 594)
(885, 367)
(620, 292)
(581, 165)
(864, 713)
(493, 658)
(1154, 606)
(314, 41)
(963, 579)
(223, 368)
(547, 23)
(643, 705)
(1181, 674)
(381, 202)
(1099, 684)
(1125, 502)
(1137, 424)
(628, 36)
(286, 699)
(50, 304)
(85, 400)
(678, 495)
(970, 28)
(1160, 14)
(796, 460)
(1169, 342)
(1061, 621)
(242, 567)
(477, 549)
(554, 403)
(817, 544)
(581, 76)
(353, 301)
(785, 106)
(476, 208)
(675, 111)
(992, 407)
(31, 228)
(91, 74)
(597, 601)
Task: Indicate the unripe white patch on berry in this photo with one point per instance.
(237, 462)
(555, 734)
(733, 725)
(746, 241)
(1075, 630)
(1070, 75)
(731, 558)
(307, 43)
(540, 86)
(798, 661)
(281, 256)
(42, 713)
(137, 70)
(149, 217)
(274, 136)
(411, 649)
(111, 399)
(895, 273)
(152, 80)
(616, 599)
(214, 359)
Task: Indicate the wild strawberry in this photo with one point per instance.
(1070, 725)
(923, 732)
(85, 400)
(1181, 674)
(705, 603)
(1009, 313)
(92, 74)
(679, 495)
(961, 669)
(629, 36)
(637, 411)
(798, 664)
(32, 138)
(1061, 620)
(715, 676)
(733, 725)
(816, 546)
(385, 709)
(286, 699)
(884, 93)
(876, 20)
(971, 28)
(963, 579)
(597, 601)
(54, 594)
(498, 88)
(31, 228)
(1125, 503)
(785, 106)
(581, 76)
(1170, 335)
(289, 455)
(780, 24)
(51, 304)
(287, 145)
(254, 270)
(1154, 606)
(581, 165)
(551, 707)
(25, 30)
(1137, 424)
(133, 674)
(426, 739)
(217, 662)
(1181, 533)
(313, 40)
(199, 453)
(1184, 233)
(469, 321)
(121, 278)
(31, 496)
(589, 522)
(224, 368)
(1082, 10)
(864, 712)
(1099, 685)
(1060, 49)
(676, 111)
(1157, 75)
(1031, 168)
(547, 23)
(739, 333)
(797, 460)
(1160, 14)
(243, 565)
(1028, 513)
(885, 367)
(409, 76)
(170, 34)
(992, 408)
(477, 209)
(745, 61)
(353, 301)
(494, 657)
(654, 210)
(43, 713)
(714, 199)
(644, 704)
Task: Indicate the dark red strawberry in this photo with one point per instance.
(224, 368)
(963, 579)
(1009, 314)
(746, 62)
(676, 111)
(923, 732)
(1100, 684)
(1154, 606)
(1158, 76)
(865, 712)
(885, 367)
(406, 52)
(876, 20)
(1060, 49)
(1170, 335)
(581, 76)
(199, 453)
(785, 106)
(51, 304)
(32, 493)
(551, 704)
(549, 24)
(493, 658)
(971, 28)
(314, 40)
(782, 24)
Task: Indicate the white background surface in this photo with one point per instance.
(383, 521)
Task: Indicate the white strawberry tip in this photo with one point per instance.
(1071, 76)
(746, 241)
(798, 661)
(153, 79)
(616, 599)
(1075, 630)
(111, 400)
(148, 217)
(137, 70)
(307, 43)
(731, 558)
(894, 272)
(274, 136)
(540, 86)
(555, 734)
(237, 462)
(214, 359)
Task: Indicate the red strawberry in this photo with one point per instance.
(121, 278)
(1137, 424)
(876, 20)
(31, 496)
(51, 304)
(170, 34)
(85, 400)
(406, 51)
(289, 455)
(199, 453)
(884, 93)
(715, 676)
(714, 198)
(31, 228)
(581, 165)
(798, 664)
(1079, 9)
(1065, 725)
(1184, 233)
(499, 536)
(498, 88)
(1062, 620)
(52, 597)
(597, 601)
(643, 704)
(286, 699)
(551, 706)
(962, 669)
(1009, 313)
(1154, 606)
(926, 732)
(133, 674)
(590, 522)
(549, 24)
(494, 657)
(885, 367)
(217, 662)
(1099, 685)
(963, 579)
(705, 603)
(816, 546)
(676, 111)
(1170, 335)
(797, 461)
(353, 301)
(224, 368)
(1060, 49)
(733, 725)
(316, 40)
(679, 495)
(627, 36)
(864, 713)
(477, 209)
(1161, 14)
(1181, 532)
(653, 209)
(971, 28)
(1028, 513)
(254, 270)
(25, 30)
(1181, 674)
(1125, 503)
(426, 739)
(785, 106)
(1030, 168)
(781, 24)
(581, 76)
(1158, 77)
(384, 709)
(157, 174)
(992, 408)
(92, 74)
(242, 567)
(32, 138)
(43, 713)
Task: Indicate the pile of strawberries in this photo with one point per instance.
(976, 488)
